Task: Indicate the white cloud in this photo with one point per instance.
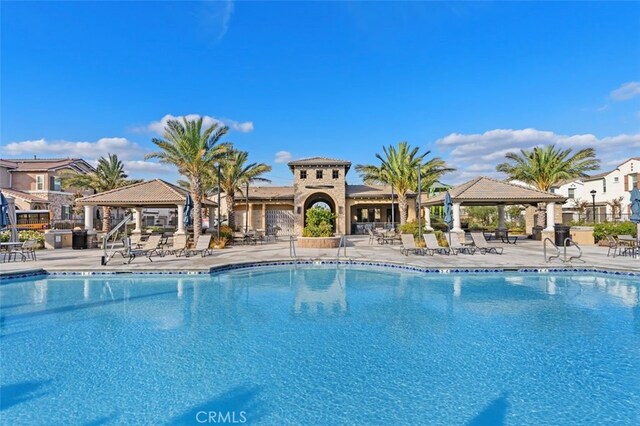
(282, 157)
(147, 167)
(626, 91)
(76, 149)
(473, 154)
(207, 121)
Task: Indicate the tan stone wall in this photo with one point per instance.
(56, 201)
(337, 194)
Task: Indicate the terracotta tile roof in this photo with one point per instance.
(8, 164)
(267, 193)
(372, 191)
(486, 191)
(45, 164)
(24, 196)
(319, 161)
(153, 193)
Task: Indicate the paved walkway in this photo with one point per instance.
(526, 254)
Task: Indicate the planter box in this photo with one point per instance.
(583, 235)
(318, 242)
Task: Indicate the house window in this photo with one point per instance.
(633, 180)
(303, 174)
(54, 183)
(336, 174)
(40, 183)
(616, 179)
(318, 174)
(604, 185)
(572, 193)
(66, 213)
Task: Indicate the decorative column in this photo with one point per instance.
(264, 217)
(427, 219)
(137, 217)
(180, 237)
(88, 218)
(250, 217)
(501, 216)
(457, 227)
(551, 216)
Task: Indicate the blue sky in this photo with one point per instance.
(468, 81)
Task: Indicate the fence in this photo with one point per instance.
(588, 217)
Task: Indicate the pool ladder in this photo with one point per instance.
(292, 247)
(564, 258)
(342, 245)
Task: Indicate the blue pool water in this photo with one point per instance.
(320, 345)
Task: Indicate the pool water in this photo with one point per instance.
(320, 345)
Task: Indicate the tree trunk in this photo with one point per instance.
(231, 220)
(403, 207)
(196, 195)
(106, 218)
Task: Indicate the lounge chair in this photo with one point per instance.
(409, 245)
(149, 248)
(454, 244)
(239, 238)
(176, 248)
(433, 246)
(374, 236)
(202, 246)
(613, 245)
(27, 250)
(482, 245)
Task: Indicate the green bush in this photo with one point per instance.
(24, 236)
(601, 230)
(319, 223)
(410, 228)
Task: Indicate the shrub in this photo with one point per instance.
(24, 236)
(319, 223)
(601, 230)
(410, 228)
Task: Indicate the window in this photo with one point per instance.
(336, 174)
(40, 183)
(616, 179)
(318, 174)
(54, 183)
(572, 193)
(604, 185)
(552, 190)
(633, 180)
(66, 213)
(303, 174)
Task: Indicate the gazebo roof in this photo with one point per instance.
(152, 193)
(484, 191)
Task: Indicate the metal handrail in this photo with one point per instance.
(343, 243)
(292, 247)
(565, 251)
(106, 257)
(544, 249)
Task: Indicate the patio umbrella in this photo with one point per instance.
(635, 211)
(3, 211)
(188, 208)
(448, 213)
(11, 216)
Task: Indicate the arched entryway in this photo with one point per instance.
(320, 199)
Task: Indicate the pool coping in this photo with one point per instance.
(10, 276)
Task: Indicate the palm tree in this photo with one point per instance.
(399, 168)
(109, 175)
(544, 167)
(234, 173)
(192, 150)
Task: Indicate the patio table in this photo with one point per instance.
(630, 245)
(5, 248)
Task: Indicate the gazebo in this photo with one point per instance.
(155, 193)
(484, 191)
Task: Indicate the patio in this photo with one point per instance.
(526, 254)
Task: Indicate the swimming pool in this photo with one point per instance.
(321, 345)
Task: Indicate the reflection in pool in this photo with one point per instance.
(319, 345)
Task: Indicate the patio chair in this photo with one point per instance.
(481, 244)
(454, 244)
(27, 250)
(373, 236)
(433, 246)
(202, 246)
(149, 248)
(175, 248)
(612, 243)
(409, 245)
(239, 238)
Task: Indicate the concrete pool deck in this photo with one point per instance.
(526, 254)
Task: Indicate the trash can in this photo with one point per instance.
(79, 239)
(562, 233)
(537, 233)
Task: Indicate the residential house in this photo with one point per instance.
(609, 188)
(35, 184)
